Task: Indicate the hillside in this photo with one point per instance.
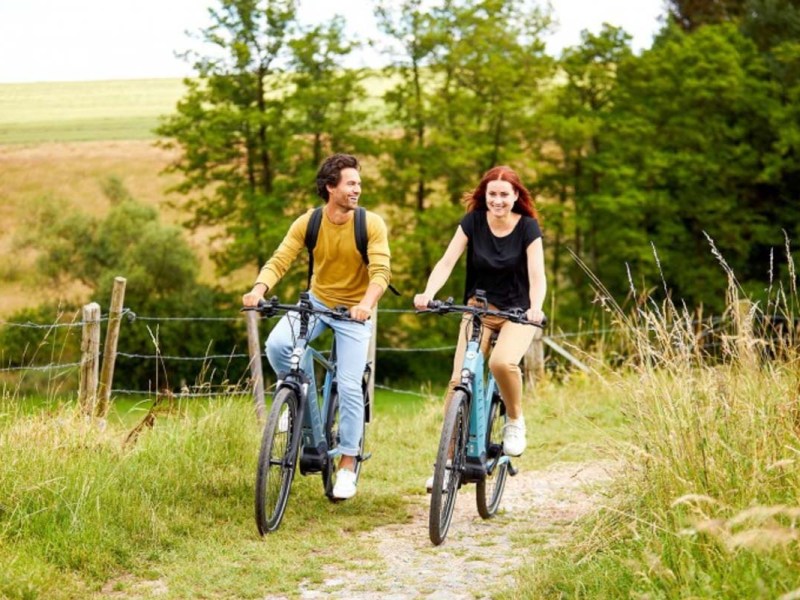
(33, 113)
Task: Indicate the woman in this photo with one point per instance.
(501, 235)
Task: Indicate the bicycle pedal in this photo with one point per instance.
(364, 458)
(512, 470)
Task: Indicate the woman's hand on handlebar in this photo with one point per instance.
(535, 316)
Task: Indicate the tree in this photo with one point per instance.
(692, 119)
(571, 132)
(162, 279)
(691, 14)
(231, 127)
(491, 71)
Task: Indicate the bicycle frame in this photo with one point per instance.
(314, 444)
(479, 385)
(480, 396)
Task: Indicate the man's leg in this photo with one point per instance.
(280, 343)
(352, 346)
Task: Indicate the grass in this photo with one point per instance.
(33, 113)
(81, 514)
(708, 507)
(79, 111)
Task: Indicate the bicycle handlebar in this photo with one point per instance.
(269, 308)
(516, 315)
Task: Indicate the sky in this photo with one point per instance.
(87, 40)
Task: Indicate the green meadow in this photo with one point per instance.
(83, 111)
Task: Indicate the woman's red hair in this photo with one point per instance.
(476, 200)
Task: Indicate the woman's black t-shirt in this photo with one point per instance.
(499, 265)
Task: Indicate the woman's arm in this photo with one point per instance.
(442, 269)
(537, 280)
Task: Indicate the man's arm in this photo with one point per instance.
(380, 272)
(363, 310)
(380, 258)
(280, 261)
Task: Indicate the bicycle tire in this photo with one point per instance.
(277, 459)
(447, 478)
(489, 491)
(332, 437)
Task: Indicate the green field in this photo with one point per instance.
(83, 111)
(83, 515)
(32, 113)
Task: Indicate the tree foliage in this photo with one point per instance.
(161, 270)
(636, 160)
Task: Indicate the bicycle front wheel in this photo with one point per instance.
(276, 460)
(490, 490)
(450, 461)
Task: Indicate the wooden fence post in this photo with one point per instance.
(110, 347)
(90, 358)
(371, 356)
(533, 362)
(256, 372)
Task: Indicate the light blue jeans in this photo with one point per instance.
(352, 346)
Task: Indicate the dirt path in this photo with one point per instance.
(547, 501)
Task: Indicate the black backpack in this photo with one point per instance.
(360, 228)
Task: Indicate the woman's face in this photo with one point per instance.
(500, 197)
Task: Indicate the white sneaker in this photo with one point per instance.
(283, 422)
(345, 486)
(514, 437)
(429, 481)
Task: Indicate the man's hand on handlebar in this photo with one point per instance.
(254, 296)
(360, 312)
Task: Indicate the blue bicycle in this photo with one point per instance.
(471, 443)
(299, 427)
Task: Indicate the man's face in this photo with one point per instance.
(345, 195)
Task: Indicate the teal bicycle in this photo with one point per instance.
(471, 442)
(299, 428)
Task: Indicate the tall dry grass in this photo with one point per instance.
(710, 504)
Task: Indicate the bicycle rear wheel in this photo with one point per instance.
(450, 461)
(276, 460)
(490, 490)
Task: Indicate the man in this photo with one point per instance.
(340, 278)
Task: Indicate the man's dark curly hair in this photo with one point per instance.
(330, 173)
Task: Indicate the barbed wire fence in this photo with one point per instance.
(96, 379)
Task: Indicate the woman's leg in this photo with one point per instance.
(512, 343)
(464, 331)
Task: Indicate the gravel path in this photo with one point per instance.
(546, 501)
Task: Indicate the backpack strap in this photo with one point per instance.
(361, 239)
(360, 228)
(312, 231)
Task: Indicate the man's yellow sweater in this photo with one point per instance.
(340, 275)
